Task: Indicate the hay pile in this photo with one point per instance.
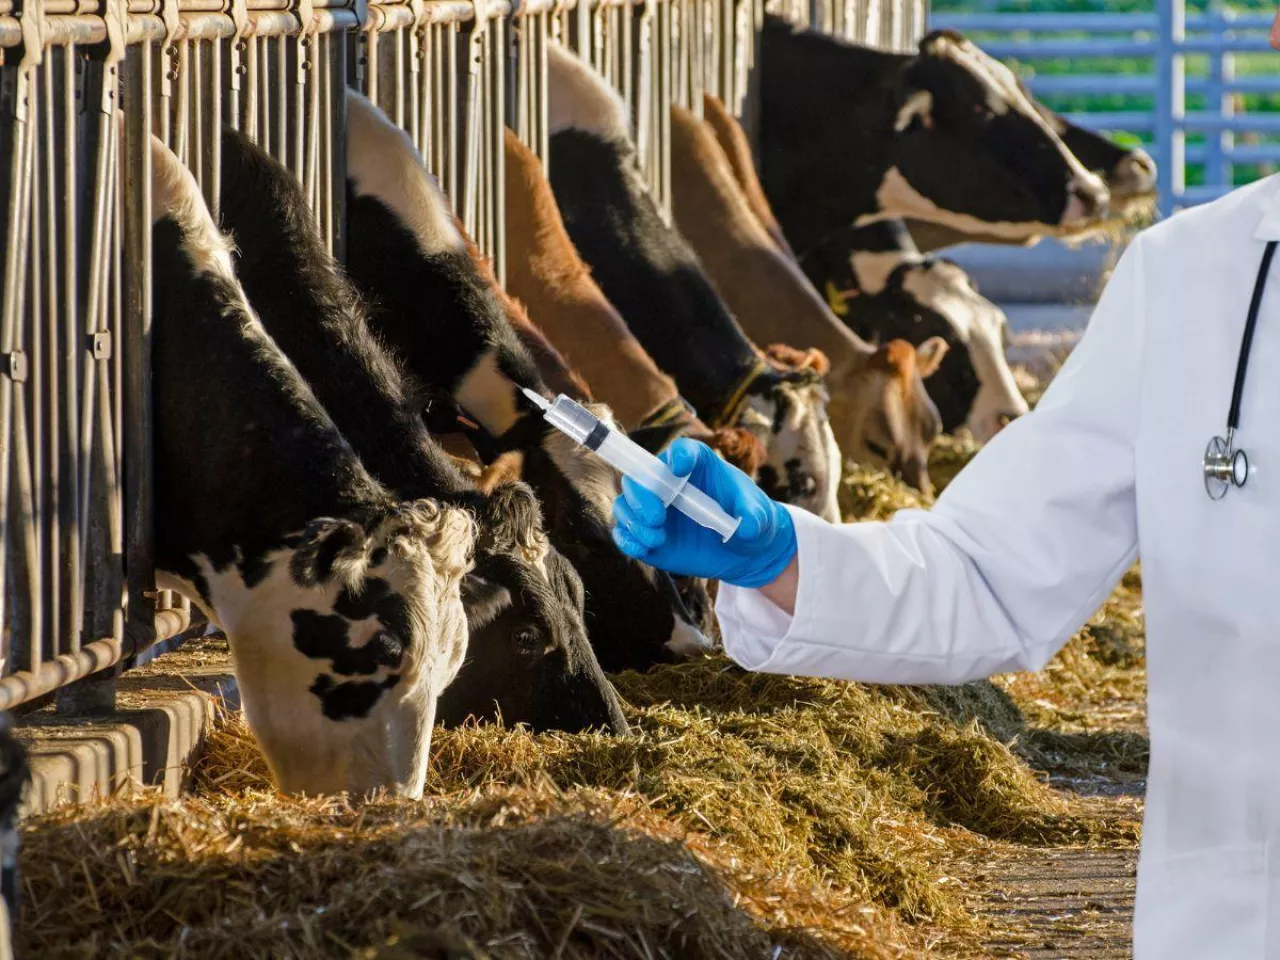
(747, 812)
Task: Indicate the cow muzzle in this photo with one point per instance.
(1133, 176)
(1087, 199)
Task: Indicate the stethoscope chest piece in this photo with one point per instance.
(1224, 467)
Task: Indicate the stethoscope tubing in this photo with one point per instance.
(1223, 463)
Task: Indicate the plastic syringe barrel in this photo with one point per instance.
(625, 455)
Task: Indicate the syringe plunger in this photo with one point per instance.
(625, 455)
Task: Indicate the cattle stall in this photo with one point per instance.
(85, 83)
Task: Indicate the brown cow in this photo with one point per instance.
(774, 302)
(733, 141)
(554, 282)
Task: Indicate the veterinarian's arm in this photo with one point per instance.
(1020, 550)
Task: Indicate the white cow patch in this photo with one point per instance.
(874, 268)
(979, 324)
(384, 164)
(580, 99)
(896, 197)
(174, 193)
(487, 394)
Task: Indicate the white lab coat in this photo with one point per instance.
(1030, 539)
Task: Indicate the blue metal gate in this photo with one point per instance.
(1222, 135)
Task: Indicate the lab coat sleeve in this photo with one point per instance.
(1021, 549)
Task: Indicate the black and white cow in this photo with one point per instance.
(342, 604)
(850, 134)
(886, 290)
(529, 659)
(1129, 173)
(432, 303)
(657, 283)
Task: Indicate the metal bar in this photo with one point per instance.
(17, 219)
(1144, 85)
(497, 155)
(71, 518)
(50, 388)
(136, 362)
(88, 660)
(1089, 22)
(1170, 102)
(1217, 169)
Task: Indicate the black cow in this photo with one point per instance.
(342, 604)
(529, 658)
(433, 304)
(850, 134)
(651, 274)
(886, 290)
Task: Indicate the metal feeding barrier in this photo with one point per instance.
(1159, 43)
(84, 84)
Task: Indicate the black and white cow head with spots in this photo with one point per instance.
(342, 605)
(973, 148)
(946, 135)
(886, 290)
(367, 621)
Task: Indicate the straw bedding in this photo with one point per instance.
(746, 816)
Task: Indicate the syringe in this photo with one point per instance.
(624, 454)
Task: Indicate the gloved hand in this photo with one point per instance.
(663, 537)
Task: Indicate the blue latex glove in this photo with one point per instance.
(756, 554)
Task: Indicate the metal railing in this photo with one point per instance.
(1162, 40)
(83, 86)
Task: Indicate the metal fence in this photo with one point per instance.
(85, 83)
(1222, 134)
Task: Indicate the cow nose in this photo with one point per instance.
(1087, 199)
(912, 470)
(1135, 174)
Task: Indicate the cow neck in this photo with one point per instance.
(826, 128)
(220, 376)
(646, 269)
(311, 311)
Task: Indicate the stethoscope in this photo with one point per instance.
(1225, 466)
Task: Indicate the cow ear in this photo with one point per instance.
(328, 546)
(916, 109)
(505, 469)
(929, 356)
(483, 600)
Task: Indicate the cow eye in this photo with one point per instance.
(528, 643)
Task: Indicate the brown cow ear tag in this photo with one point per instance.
(838, 300)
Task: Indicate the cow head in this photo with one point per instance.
(973, 385)
(529, 659)
(1129, 172)
(635, 615)
(786, 410)
(343, 640)
(971, 150)
(898, 420)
